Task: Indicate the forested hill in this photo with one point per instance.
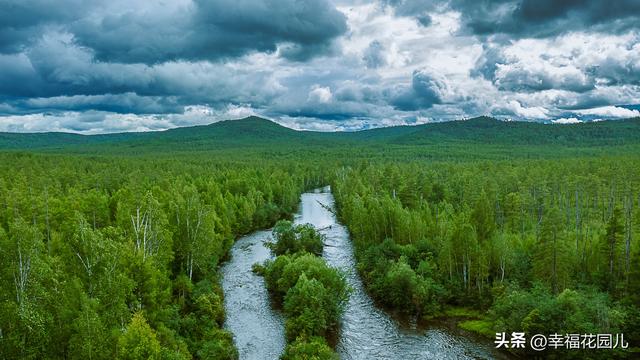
(256, 132)
(490, 130)
(248, 131)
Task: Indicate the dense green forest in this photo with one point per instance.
(110, 244)
(114, 257)
(544, 246)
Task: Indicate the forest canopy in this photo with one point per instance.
(112, 249)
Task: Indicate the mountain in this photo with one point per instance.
(247, 131)
(252, 127)
(59, 139)
(255, 132)
(488, 130)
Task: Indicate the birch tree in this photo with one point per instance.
(196, 241)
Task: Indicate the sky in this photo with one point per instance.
(90, 66)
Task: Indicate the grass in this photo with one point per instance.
(482, 327)
(472, 320)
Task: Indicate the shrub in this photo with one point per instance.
(315, 348)
(308, 309)
(290, 239)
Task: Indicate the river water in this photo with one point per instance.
(258, 330)
(366, 332)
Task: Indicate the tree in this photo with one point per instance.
(482, 217)
(218, 344)
(138, 341)
(550, 259)
(632, 299)
(307, 306)
(90, 339)
(612, 241)
(196, 244)
(26, 247)
(314, 267)
(466, 245)
(291, 239)
(398, 286)
(315, 348)
(513, 212)
(94, 255)
(26, 299)
(503, 253)
(149, 226)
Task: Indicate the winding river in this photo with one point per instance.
(367, 332)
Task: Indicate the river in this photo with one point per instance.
(367, 332)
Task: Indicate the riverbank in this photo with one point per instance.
(367, 331)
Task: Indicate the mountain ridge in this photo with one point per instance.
(254, 131)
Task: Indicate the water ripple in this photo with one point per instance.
(367, 331)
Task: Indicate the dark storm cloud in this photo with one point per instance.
(100, 66)
(540, 18)
(325, 113)
(116, 103)
(201, 30)
(151, 57)
(22, 22)
(487, 64)
(426, 90)
(520, 78)
(530, 18)
(374, 55)
(55, 73)
(212, 30)
(305, 52)
(414, 8)
(614, 72)
(54, 67)
(592, 99)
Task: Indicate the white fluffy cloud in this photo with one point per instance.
(566, 121)
(610, 112)
(576, 62)
(320, 94)
(97, 122)
(532, 112)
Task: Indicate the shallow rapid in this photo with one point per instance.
(258, 330)
(367, 332)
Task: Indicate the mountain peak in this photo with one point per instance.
(484, 120)
(249, 119)
(249, 122)
(245, 128)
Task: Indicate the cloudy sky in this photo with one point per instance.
(132, 65)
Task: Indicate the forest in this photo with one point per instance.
(117, 258)
(538, 246)
(110, 246)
